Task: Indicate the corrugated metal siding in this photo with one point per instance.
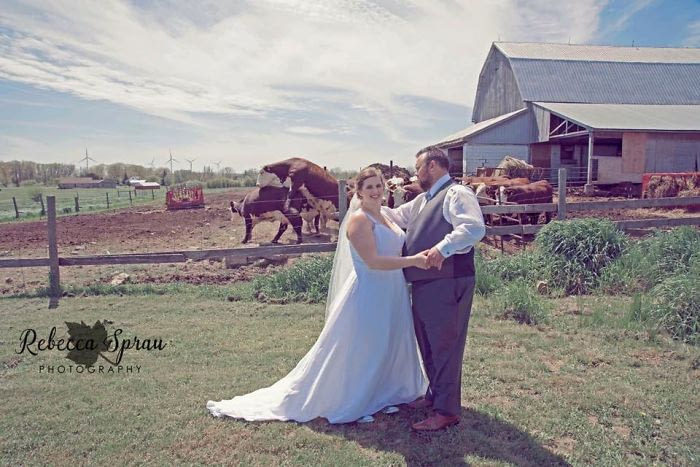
(607, 82)
(489, 155)
(672, 153)
(517, 130)
(602, 53)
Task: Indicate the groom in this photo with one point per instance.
(446, 223)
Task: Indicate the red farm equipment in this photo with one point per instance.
(184, 197)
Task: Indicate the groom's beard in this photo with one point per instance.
(425, 184)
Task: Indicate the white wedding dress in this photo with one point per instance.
(366, 357)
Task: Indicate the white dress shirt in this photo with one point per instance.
(460, 208)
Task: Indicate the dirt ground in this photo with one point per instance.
(135, 230)
(153, 229)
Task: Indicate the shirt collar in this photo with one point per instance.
(438, 184)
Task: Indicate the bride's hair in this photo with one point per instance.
(366, 173)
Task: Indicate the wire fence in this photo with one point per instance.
(576, 176)
(30, 202)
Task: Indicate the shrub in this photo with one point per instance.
(573, 253)
(649, 261)
(520, 302)
(35, 194)
(222, 183)
(487, 281)
(675, 305)
(305, 281)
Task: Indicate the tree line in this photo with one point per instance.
(16, 173)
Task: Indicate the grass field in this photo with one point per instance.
(90, 200)
(587, 388)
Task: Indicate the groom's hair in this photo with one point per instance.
(437, 155)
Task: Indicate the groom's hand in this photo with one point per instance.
(435, 259)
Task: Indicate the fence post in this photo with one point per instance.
(14, 201)
(342, 200)
(41, 200)
(561, 205)
(107, 193)
(54, 277)
(77, 205)
(130, 202)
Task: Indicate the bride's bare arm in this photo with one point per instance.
(362, 239)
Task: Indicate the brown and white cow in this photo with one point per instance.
(533, 193)
(267, 204)
(296, 173)
(402, 190)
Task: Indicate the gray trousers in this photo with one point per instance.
(441, 310)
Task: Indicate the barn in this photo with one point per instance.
(86, 182)
(608, 113)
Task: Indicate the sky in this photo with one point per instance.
(344, 83)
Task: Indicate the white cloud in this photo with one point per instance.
(256, 59)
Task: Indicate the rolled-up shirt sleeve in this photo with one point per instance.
(462, 210)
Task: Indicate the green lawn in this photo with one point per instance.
(89, 200)
(582, 390)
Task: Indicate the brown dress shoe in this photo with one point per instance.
(436, 422)
(421, 403)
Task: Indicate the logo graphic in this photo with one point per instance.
(89, 342)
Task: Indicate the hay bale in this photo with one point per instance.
(515, 168)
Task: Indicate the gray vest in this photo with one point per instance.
(425, 232)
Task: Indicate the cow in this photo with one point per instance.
(267, 204)
(532, 193)
(492, 184)
(402, 190)
(296, 173)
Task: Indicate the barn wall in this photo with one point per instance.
(455, 155)
(541, 155)
(517, 130)
(541, 123)
(672, 152)
(633, 152)
(497, 92)
(610, 171)
(489, 155)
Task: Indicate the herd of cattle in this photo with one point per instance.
(298, 192)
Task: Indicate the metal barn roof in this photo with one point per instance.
(598, 53)
(628, 117)
(604, 74)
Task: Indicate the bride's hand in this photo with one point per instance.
(420, 261)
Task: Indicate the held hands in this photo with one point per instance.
(435, 259)
(421, 260)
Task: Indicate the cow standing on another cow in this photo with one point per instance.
(297, 173)
(267, 204)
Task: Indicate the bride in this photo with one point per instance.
(366, 358)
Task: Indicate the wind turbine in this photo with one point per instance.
(153, 162)
(171, 160)
(87, 160)
(190, 161)
(218, 165)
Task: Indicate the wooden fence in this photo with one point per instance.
(561, 208)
